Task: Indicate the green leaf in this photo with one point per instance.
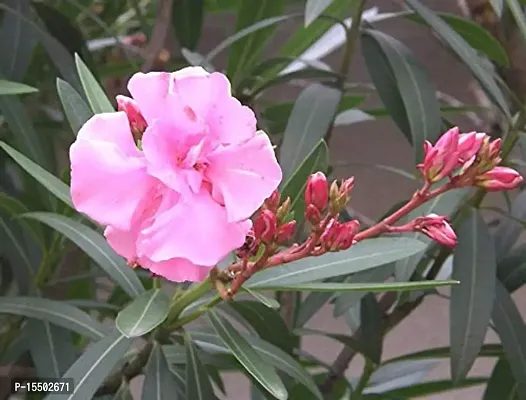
(311, 117)
(475, 35)
(269, 302)
(294, 187)
(463, 51)
(51, 348)
(420, 119)
(487, 350)
(359, 287)
(75, 108)
(159, 382)
(93, 366)
(345, 301)
(372, 328)
(509, 230)
(56, 312)
(198, 384)
(16, 53)
(95, 246)
(517, 10)
(49, 181)
(501, 384)
(143, 314)
(512, 332)
(314, 8)
(8, 88)
(123, 393)
(267, 322)
(187, 21)
(511, 269)
(471, 302)
(431, 388)
(445, 204)
(270, 354)
(244, 53)
(58, 54)
(95, 94)
(248, 357)
(364, 255)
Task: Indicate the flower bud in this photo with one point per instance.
(499, 178)
(286, 232)
(469, 145)
(441, 159)
(437, 228)
(329, 237)
(272, 203)
(346, 234)
(250, 247)
(137, 122)
(265, 226)
(312, 214)
(283, 210)
(317, 191)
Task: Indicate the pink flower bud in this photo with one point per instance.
(441, 159)
(346, 234)
(286, 232)
(499, 178)
(329, 237)
(312, 214)
(437, 228)
(469, 145)
(272, 203)
(317, 191)
(346, 186)
(265, 226)
(137, 122)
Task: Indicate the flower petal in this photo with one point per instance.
(150, 91)
(245, 175)
(196, 230)
(108, 177)
(123, 242)
(176, 269)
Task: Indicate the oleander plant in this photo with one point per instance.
(166, 220)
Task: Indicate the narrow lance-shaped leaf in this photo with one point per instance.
(364, 255)
(198, 384)
(249, 358)
(188, 21)
(474, 265)
(372, 328)
(144, 313)
(93, 366)
(10, 88)
(463, 51)
(510, 229)
(314, 8)
(75, 108)
(159, 382)
(501, 384)
(95, 246)
(421, 107)
(96, 97)
(309, 121)
(512, 332)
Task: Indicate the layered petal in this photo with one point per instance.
(108, 172)
(245, 175)
(150, 91)
(196, 229)
(176, 269)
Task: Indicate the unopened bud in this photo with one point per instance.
(312, 214)
(437, 228)
(137, 122)
(317, 191)
(265, 226)
(329, 237)
(283, 210)
(346, 235)
(272, 203)
(286, 232)
(498, 179)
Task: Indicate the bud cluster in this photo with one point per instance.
(437, 228)
(468, 159)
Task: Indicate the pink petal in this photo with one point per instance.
(150, 91)
(245, 175)
(108, 173)
(123, 242)
(176, 269)
(196, 229)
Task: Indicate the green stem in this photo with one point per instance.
(368, 370)
(184, 300)
(194, 315)
(156, 283)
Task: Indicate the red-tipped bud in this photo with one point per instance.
(286, 232)
(498, 179)
(346, 234)
(437, 228)
(250, 247)
(312, 214)
(346, 186)
(329, 237)
(317, 191)
(441, 159)
(272, 203)
(137, 122)
(265, 226)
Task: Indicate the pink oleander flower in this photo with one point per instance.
(441, 159)
(499, 178)
(437, 228)
(317, 191)
(182, 202)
